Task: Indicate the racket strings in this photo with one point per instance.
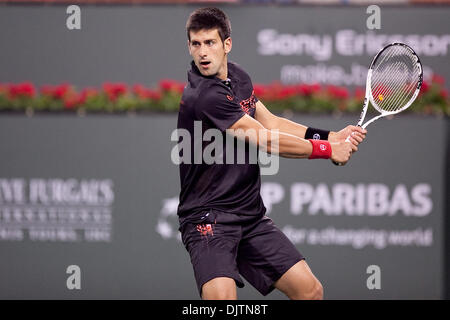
(389, 93)
(399, 99)
(395, 77)
(383, 90)
(386, 68)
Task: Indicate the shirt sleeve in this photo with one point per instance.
(245, 82)
(218, 106)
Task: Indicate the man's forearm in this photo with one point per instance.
(289, 146)
(272, 140)
(275, 142)
(291, 127)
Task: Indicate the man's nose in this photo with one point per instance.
(203, 51)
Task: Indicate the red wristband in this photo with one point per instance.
(321, 149)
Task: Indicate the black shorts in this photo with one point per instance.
(221, 246)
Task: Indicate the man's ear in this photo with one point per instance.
(189, 47)
(227, 44)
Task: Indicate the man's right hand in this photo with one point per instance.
(342, 151)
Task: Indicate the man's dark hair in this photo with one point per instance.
(207, 19)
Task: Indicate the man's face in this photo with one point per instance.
(209, 52)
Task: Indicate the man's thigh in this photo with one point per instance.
(212, 248)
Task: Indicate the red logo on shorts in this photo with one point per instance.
(230, 98)
(205, 229)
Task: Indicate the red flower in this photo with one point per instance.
(56, 92)
(171, 85)
(273, 91)
(180, 87)
(71, 101)
(259, 90)
(155, 95)
(307, 89)
(61, 91)
(425, 87)
(139, 90)
(287, 92)
(87, 93)
(24, 89)
(166, 84)
(338, 92)
(145, 93)
(443, 93)
(304, 90)
(114, 90)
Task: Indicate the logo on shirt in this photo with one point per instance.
(230, 97)
(248, 104)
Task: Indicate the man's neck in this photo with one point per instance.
(223, 74)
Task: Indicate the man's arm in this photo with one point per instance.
(285, 144)
(271, 121)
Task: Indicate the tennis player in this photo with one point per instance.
(221, 212)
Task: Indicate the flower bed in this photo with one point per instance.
(120, 97)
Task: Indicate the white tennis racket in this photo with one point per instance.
(393, 82)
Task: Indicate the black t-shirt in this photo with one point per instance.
(230, 188)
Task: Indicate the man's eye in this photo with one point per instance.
(210, 43)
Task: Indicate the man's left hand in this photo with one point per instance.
(357, 135)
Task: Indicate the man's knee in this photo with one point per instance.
(221, 288)
(315, 292)
(299, 283)
(218, 295)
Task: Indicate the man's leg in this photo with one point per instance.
(213, 248)
(299, 283)
(221, 288)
